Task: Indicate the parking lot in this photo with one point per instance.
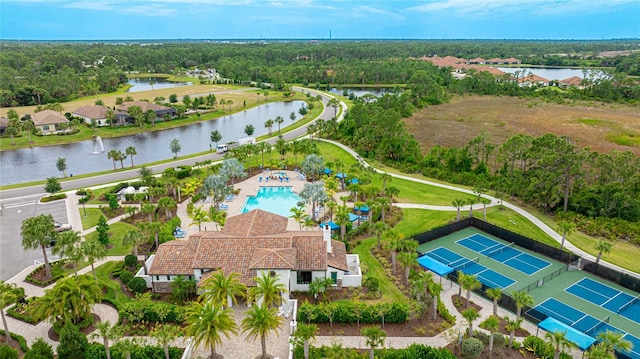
(13, 258)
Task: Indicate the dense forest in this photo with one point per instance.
(39, 73)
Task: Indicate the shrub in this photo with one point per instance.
(6, 352)
(444, 313)
(20, 339)
(126, 277)
(130, 261)
(344, 312)
(40, 350)
(72, 343)
(53, 197)
(373, 284)
(21, 312)
(56, 273)
(472, 348)
(137, 285)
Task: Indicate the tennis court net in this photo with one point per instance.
(628, 304)
(464, 263)
(500, 250)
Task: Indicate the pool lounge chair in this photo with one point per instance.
(286, 179)
(224, 207)
(267, 179)
(259, 179)
(229, 198)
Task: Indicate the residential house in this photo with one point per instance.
(512, 61)
(532, 80)
(4, 123)
(573, 81)
(50, 122)
(250, 244)
(477, 61)
(89, 114)
(122, 114)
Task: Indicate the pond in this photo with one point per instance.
(361, 91)
(39, 163)
(153, 83)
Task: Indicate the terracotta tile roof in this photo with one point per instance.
(511, 60)
(533, 79)
(255, 223)
(311, 252)
(174, 257)
(144, 105)
(338, 256)
(94, 112)
(477, 60)
(572, 81)
(277, 258)
(48, 117)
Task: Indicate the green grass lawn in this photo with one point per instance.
(116, 232)
(91, 219)
(98, 193)
(390, 293)
(113, 292)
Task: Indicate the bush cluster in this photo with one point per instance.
(149, 311)
(412, 351)
(472, 348)
(16, 313)
(53, 197)
(20, 339)
(540, 348)
(444, 313)
(346, 312)
(56, 273)
(97, 351)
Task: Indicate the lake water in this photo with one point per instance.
(548, 73)
(153, 83)
(39, 163)
(361, 91)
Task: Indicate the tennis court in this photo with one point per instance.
(579, 320)
(607, 297)
(504, 253)
(487, 276)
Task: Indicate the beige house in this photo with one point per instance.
(92, 113)
(250, 244)
(50, 122)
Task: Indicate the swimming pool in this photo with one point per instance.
(278, 200)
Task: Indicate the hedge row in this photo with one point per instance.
(97, 351)
(347, 312)
(149, 311)
(541, 349)
(20, 339)
(53, 197)
(411, 352)
(56, 273)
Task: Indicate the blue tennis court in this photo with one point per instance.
(514, 258)
(487, 276)
(607, 297)
(579, 320)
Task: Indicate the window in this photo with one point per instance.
(157, 277)
(45, 128)
(304, 277)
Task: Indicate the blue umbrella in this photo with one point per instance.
(332, 225)
(363, 209)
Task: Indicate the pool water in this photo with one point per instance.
(278, 200)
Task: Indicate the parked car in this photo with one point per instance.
(59, 227)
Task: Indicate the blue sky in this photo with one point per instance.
(316, 19)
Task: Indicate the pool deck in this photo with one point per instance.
(248, 187)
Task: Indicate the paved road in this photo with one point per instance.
(21, 203)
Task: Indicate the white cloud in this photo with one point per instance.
(538, 7)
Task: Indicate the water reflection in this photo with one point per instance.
(38, 163)
(153, 83)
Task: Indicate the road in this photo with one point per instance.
(21, 203)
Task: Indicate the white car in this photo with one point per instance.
(59, 227)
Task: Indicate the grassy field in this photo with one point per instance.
(91, 219)
(390, 293)
(116, 232)
(602, 127)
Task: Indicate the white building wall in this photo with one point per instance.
(284, 277)
(354, 277)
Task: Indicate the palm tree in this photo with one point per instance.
(384, 203)
(342, 218)
(269, 125)
(164, 334)
(261, 320)
(67, 245)
(232, 169)
(522, 299)
(558, 340)
(469, 283)
(149, 209)
(221, 289)
(312, 166)
(512, 326)
(37, 232)
(599, 351)
(94, 251)
(133, 238)
(435, 289)
(107, 332)
(470, 315)
(9, 293)
(70, 299)
(305, 333)
(603, 247)
(279, 120)
(208, 322)
(458, 203)
(167, 204)
(492, 324)
(131, 151)
(485, 202)
(198, 216)
(298, 214)
(268, 289)
(566, 228)
(320, 286)
(495, 294)
(378, 229)
(314, 193)
(407, 259)
(113, 155)
(375, 338)
(471, 202)
(614, 342)
(393, 239)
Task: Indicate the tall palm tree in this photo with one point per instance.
(435, 289)
(305, 333)
(603, 247)
(469, 283)
(94, 251)
(558, 340)
(167, 204)
(512, 326)
(208, 322)
(375, 338)
(384, 203)
(407, 260)
(131, 151)
(113, 155)
(70, 299)
(222, 289)
(342, 218)
(107, 332)
(232, 169)
(38, 232)
(149, 209)
(458, 203)
(133, 238)
(522, 299)
(164, 334)
(470, 315)
(566, 227)
(492, 324)
(393, 241)
(495, 294)
(312, 166)
(279, 120)
(198, 216)
(268, 290)
(269, 125)
(298, 214)
(378, 229)
(261, 320)
(9, 293)
(314, 194)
